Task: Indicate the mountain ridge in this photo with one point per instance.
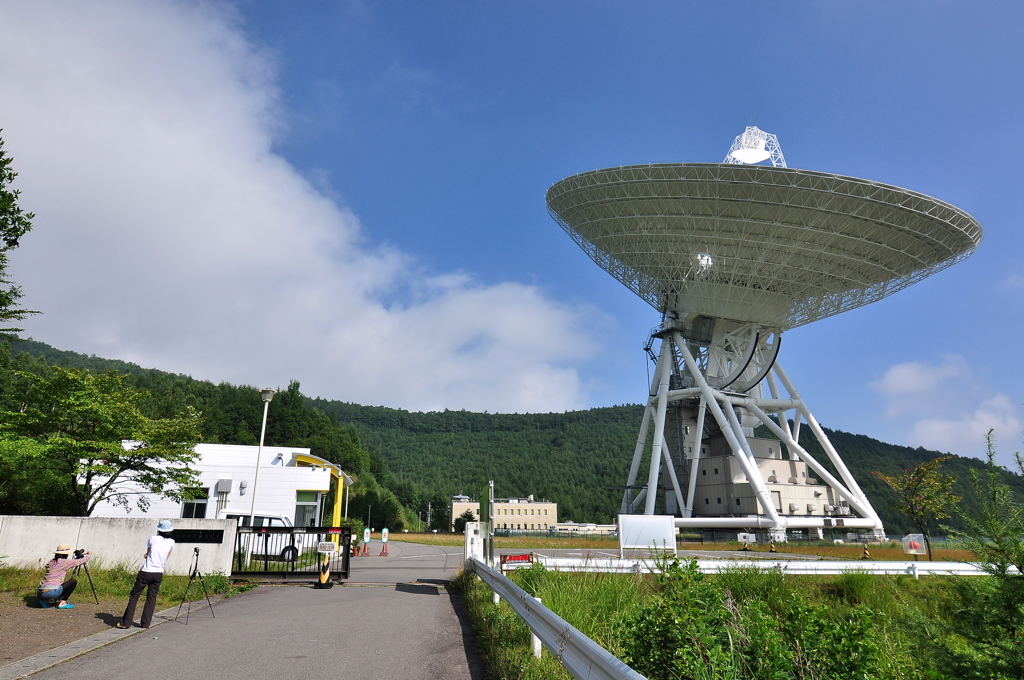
(568, 457)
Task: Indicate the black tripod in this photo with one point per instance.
(79, 554)
(195, 575)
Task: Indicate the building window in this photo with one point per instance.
(545, 513)
(306, 505)
(716, 471)
(773, 472)
(703, 473)
(719, 501)
(737, 501)
(707, 502)
(196, 508)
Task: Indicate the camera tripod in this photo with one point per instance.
(74, 572)
(192, 578)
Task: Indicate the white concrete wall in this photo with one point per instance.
(275, 493)
(29, 541)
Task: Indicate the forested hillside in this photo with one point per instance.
(569, 457)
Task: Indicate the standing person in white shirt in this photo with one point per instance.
(158, 549)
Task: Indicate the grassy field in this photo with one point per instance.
(890, 551)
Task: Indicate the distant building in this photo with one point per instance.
(513, 514)
(586, 529)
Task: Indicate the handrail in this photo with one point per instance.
(808, 566)
(578, 654)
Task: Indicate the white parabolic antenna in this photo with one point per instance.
(733, 254)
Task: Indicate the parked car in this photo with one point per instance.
(290, 545)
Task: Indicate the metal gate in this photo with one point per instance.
(290, 552)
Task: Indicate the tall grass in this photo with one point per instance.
(751, 623)
(112, 582)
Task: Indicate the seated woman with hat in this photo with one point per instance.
(54, 587)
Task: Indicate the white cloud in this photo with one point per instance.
(964, 434)
(916, 386)
(1014, 281)
(946, 409)
(168, 233)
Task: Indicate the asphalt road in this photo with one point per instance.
(394, 619)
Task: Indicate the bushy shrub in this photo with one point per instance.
(749, 624)
(682, 633)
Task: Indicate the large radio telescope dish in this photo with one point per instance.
(733, 254)
(774, 246)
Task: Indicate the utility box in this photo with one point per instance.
(474, 541)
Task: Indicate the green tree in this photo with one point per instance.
(923, 494)
(29, 482)
(460, 521)
(986, 636)
(14, 223)
(440, 513)
(80, 421)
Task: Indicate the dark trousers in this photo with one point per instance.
(145, 579)
(68, 587)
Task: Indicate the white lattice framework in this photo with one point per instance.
(755, 146)
(775, 246)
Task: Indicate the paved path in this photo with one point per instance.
(394, 619)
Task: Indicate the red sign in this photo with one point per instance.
(516, 559)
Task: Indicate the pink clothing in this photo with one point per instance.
(57, 569)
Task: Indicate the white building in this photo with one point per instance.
(292, 485)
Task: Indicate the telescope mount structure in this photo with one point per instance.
(732, 255)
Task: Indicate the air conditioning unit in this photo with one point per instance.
(811, 507)
(793, 507)
(830, 508)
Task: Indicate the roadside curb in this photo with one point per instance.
(51, 657)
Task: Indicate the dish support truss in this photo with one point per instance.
(682, 376)
(761, 145)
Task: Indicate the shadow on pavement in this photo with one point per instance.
(477, 668)
(109, 619)
(417, 589)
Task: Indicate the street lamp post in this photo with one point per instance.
(268, 395)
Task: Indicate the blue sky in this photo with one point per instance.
(352, 194)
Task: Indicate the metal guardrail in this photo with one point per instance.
(821, 567)
(578, 654)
